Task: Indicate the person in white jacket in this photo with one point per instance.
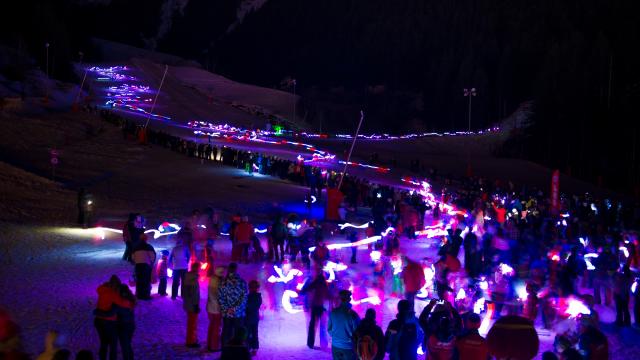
(179, 263)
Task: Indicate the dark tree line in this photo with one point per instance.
(406, 62)
(576, 59)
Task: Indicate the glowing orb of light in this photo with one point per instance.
(484, 285)
(478, 306)
(521, 291)
(625, 251)
(576, 307)
(375, 255)
(396, 264)
(286, 301)
(506, 269)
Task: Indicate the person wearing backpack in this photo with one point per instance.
(369, 338)
(404, 334)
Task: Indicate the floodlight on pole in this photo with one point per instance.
(470, 93)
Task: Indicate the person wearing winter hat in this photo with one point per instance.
(343, 322)
(470, 345)
(213, 310)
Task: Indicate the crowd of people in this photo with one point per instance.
(509, 251)
(512, 247)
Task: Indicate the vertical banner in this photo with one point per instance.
(555, 191)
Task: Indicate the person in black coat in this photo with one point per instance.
(236, 348)
(144, 256)
(125, 323)
(254, 301)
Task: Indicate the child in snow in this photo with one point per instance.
(162, 273)
(254, 300)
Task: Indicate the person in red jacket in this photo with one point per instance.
(244, 234)
(441, 343)
(470, 345)
(105, 321)
(501, 213)
(413, 278)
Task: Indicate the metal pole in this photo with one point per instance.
(294, 101)
(353, 143)
(46, 97)
(81, 85)
(166, 68)
(469, 113)
(47, 69)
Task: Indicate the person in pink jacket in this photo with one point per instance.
(213, 311)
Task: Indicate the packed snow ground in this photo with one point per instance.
(50, 276)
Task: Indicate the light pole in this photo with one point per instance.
(46, 46)
(470, 93)
(294, 100)
(46, 96)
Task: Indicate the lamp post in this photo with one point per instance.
(46, 96)
(470, 93)
(293, 82)
(46, 46)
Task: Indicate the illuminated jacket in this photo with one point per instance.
(232, 296)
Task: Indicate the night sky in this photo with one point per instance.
(406, 62)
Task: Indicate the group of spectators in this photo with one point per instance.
(511, 247)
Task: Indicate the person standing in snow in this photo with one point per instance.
(105, 320)
(404, 334)
(125, 324)
(369, 338)
(144, 256)
(318, 294)
(343, 322)
(244, 234)
(232, 297)
(254, 301)
(191, 304)
(179, 262)
(162, 272)
(413, 279)
(213, 311)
